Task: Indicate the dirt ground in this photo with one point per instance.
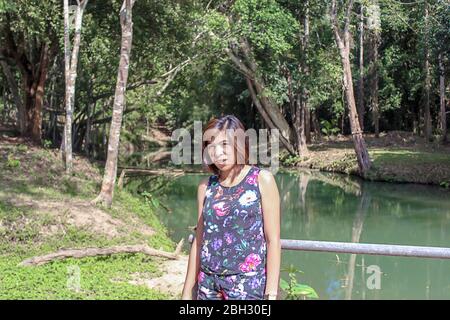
(40, 186)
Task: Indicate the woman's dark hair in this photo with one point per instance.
(240, 141)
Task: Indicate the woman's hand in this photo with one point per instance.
(186, 296)
(190, 283)
(272, 216)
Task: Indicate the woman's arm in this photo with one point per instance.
(270, 199)
(194, 256)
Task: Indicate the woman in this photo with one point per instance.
(236, 253)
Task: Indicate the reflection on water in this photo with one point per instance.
(332, 207)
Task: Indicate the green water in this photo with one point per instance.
(332, 207)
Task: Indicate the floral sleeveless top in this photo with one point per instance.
(233, 233)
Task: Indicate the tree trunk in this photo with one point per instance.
(427, 89)
(302, 116)
(443, 116)
(109, 178)
(271, 112)
(361, 108)
(374, 25)
(297, 110)
(373, 17)
(12, 83)
(343, 43)
(35, 113)
(300, 126)
(305, 66)
(33, 73)
(265, 117)
(315, 124)
(362, 154)
(71, 62)
(307, 122)
(87, 138)
(374, 85)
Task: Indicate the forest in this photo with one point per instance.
(91, 91)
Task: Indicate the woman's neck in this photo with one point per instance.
(233, 175)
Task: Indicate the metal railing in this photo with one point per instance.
(363, 248)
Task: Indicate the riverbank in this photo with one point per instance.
(42, 210)
(397, 157)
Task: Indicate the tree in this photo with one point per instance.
(374, 25)
(16, 96)
(28, 41)
(302, 110)
(342, 38)
(442, 114)
(361, 108)
(70, 71)
(256, 85)
(248, 38)
(109, 177)
(427, 69)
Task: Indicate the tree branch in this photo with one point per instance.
(91, 252)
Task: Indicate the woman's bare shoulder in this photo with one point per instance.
(265, 177)
(202, 185)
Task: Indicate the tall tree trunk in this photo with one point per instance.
(297, 110)
(307, 122)
(266, 120)
(300, 126)
(35, 114)
(66, 147)
(271, 112)
(70, 64)
(315, 124)
(374, 85)
(361, 108)
(302, 115)
(427, 89)
(343, 43)
(109, 178)
(14, 88)
(305, 95)
(373, 18)
(87, 138)
(443, 116)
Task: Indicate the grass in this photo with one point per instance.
(386, 156)
(100, 277)
(404, 158)
(24, 233)
(87, 278)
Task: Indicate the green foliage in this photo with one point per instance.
(445, 184)
(12, 162)
(22, 148)
(100, 278)
(150, 199)
(295, 290)
(329, 128)
(47, 143)
(194, 34)
(266, 24)
(286, 159)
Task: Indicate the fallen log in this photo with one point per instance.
(173, 174)
(91, 252)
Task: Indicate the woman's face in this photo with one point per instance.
(221, 150)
